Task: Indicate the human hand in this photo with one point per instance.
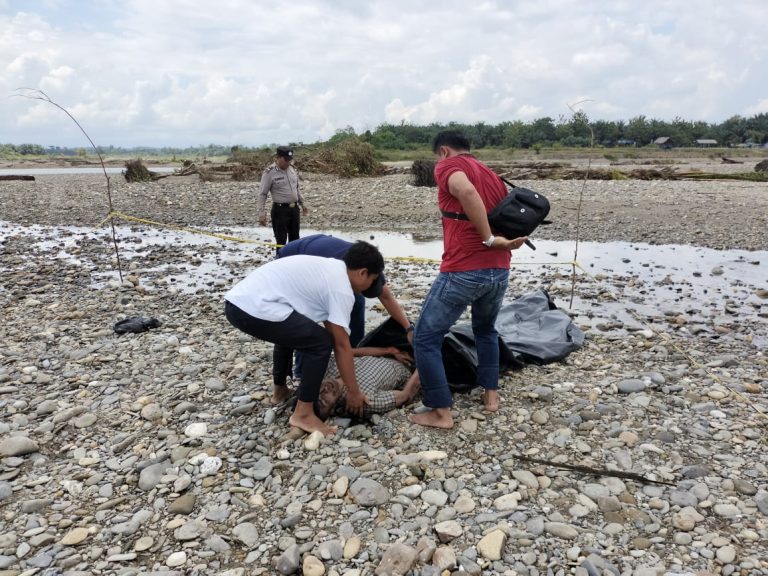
(304, 210)
(263, 220)
(403, 357)
(356, 402)
(501, 243)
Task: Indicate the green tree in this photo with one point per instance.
(638, 130)
(543, 130)
(341, 135)
(515, 134)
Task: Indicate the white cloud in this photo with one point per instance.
(758, 108)
(528, 111)
(164, 73)
(57, 78)
(479, 93)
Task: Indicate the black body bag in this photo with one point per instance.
(518, 214)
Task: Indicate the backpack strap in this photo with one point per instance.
(507, 182)
(461, 215)
(454, 215)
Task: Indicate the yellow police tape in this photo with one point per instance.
(129, 218)
(574, 263)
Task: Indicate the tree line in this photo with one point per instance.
(574, 131)
(136, 151)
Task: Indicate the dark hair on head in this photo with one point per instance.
(451, 138)
(364, 255)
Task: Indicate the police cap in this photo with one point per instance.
(285, 152)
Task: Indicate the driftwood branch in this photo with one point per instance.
(17, 177)
(34, 94)
(594, 471)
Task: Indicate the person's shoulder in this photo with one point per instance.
(271, 168)
(454, 162)
(326, 240)
(448, 166)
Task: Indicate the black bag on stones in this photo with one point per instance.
(136, 325)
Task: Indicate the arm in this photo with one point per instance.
(342, 350)
(396, 311)
(299, 197)
(266, 183)
(465, 192)
(396, 353)
(373, 351)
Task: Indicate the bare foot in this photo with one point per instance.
(311, 423)
(406, 394)
(409, 391)
(437, 418)
(491, 400)
(280, 394)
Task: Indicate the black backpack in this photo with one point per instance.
(518, 214)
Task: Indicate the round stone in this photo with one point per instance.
(196, 430)
(75, 536)
(210, 466)
(176, 559)
(313, 567)
(143, 543)
(726, 554)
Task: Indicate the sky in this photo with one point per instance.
(247, 72)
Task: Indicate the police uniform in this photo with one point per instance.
(286, 199)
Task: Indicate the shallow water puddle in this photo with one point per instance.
(655, 281)
(75, 170)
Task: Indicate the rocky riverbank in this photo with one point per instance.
(159, 452)
(717, 214)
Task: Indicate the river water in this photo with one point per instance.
(615, 278)
(76, 170)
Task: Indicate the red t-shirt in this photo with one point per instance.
(463, 249)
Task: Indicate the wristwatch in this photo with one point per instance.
(488, 243)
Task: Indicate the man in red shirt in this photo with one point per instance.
(474, 271)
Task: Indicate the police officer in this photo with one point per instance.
(281, 179)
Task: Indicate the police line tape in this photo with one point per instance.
(129, 218)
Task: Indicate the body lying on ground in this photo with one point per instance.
(384, 375)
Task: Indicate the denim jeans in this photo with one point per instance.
(357, 321)
(449, 296)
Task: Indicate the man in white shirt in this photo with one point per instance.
(284, 300)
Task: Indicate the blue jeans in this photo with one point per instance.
(357, 321)
(449, 296)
